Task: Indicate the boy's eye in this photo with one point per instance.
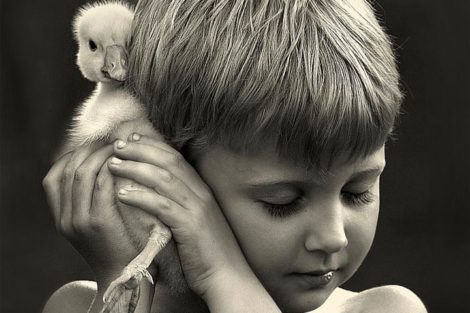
(92, 45)
(281, 210)
(286, 208)
(357, 199)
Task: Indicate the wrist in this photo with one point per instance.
(235, 291)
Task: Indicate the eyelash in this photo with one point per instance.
(285, 210)
(358, 198)
(282, 210)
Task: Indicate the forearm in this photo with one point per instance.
(235, 293)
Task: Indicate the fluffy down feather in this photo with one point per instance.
(102, 31)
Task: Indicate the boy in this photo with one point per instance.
(276, 114)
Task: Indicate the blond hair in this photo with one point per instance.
(318, 76)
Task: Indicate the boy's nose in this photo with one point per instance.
(327, 230)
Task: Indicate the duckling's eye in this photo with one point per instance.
(92, 45)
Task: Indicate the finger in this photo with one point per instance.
(68, 177)
(160, 180)
(83, 186)
(159, 154)
(51, 184)
(156, 141)
(103, 209)
(168, 211)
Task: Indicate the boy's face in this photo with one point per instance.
(295, 225)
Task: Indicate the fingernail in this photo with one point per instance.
(136, 137)
(120, 144)
(115, 160)
(123, 191)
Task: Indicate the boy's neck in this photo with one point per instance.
(165, 301)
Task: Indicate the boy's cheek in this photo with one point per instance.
(360, 240)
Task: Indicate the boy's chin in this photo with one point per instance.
(304, 301)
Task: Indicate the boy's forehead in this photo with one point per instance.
(265, 161)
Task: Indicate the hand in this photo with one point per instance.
(177, 195)
(80, 192)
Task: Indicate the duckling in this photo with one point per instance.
(102, 31)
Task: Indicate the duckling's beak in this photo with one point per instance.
(115, 63)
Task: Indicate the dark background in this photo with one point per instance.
(423, 238)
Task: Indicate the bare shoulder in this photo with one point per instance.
(74, 297)
(384, 299)
(337, 301)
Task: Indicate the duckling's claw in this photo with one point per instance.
(122, 300)
(116, 302)
(123, 293)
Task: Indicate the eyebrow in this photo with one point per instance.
(368, 173)
(283, 183)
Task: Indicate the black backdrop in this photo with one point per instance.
(423, 237)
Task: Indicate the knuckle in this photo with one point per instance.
(184, 198)
(69, 173)
(175, 159)
(65, 229)
(100, 183)
(165, 204)
(46, 182)
(63, 179)
(77, 225)
(166, 176)
(80, 174)
(80, 225)
(62, 225)
(81, 228)
(206, 196)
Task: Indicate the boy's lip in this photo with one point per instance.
(315, 279)
(321, 272)
(317, 272)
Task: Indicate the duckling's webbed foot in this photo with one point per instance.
(123, 293)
